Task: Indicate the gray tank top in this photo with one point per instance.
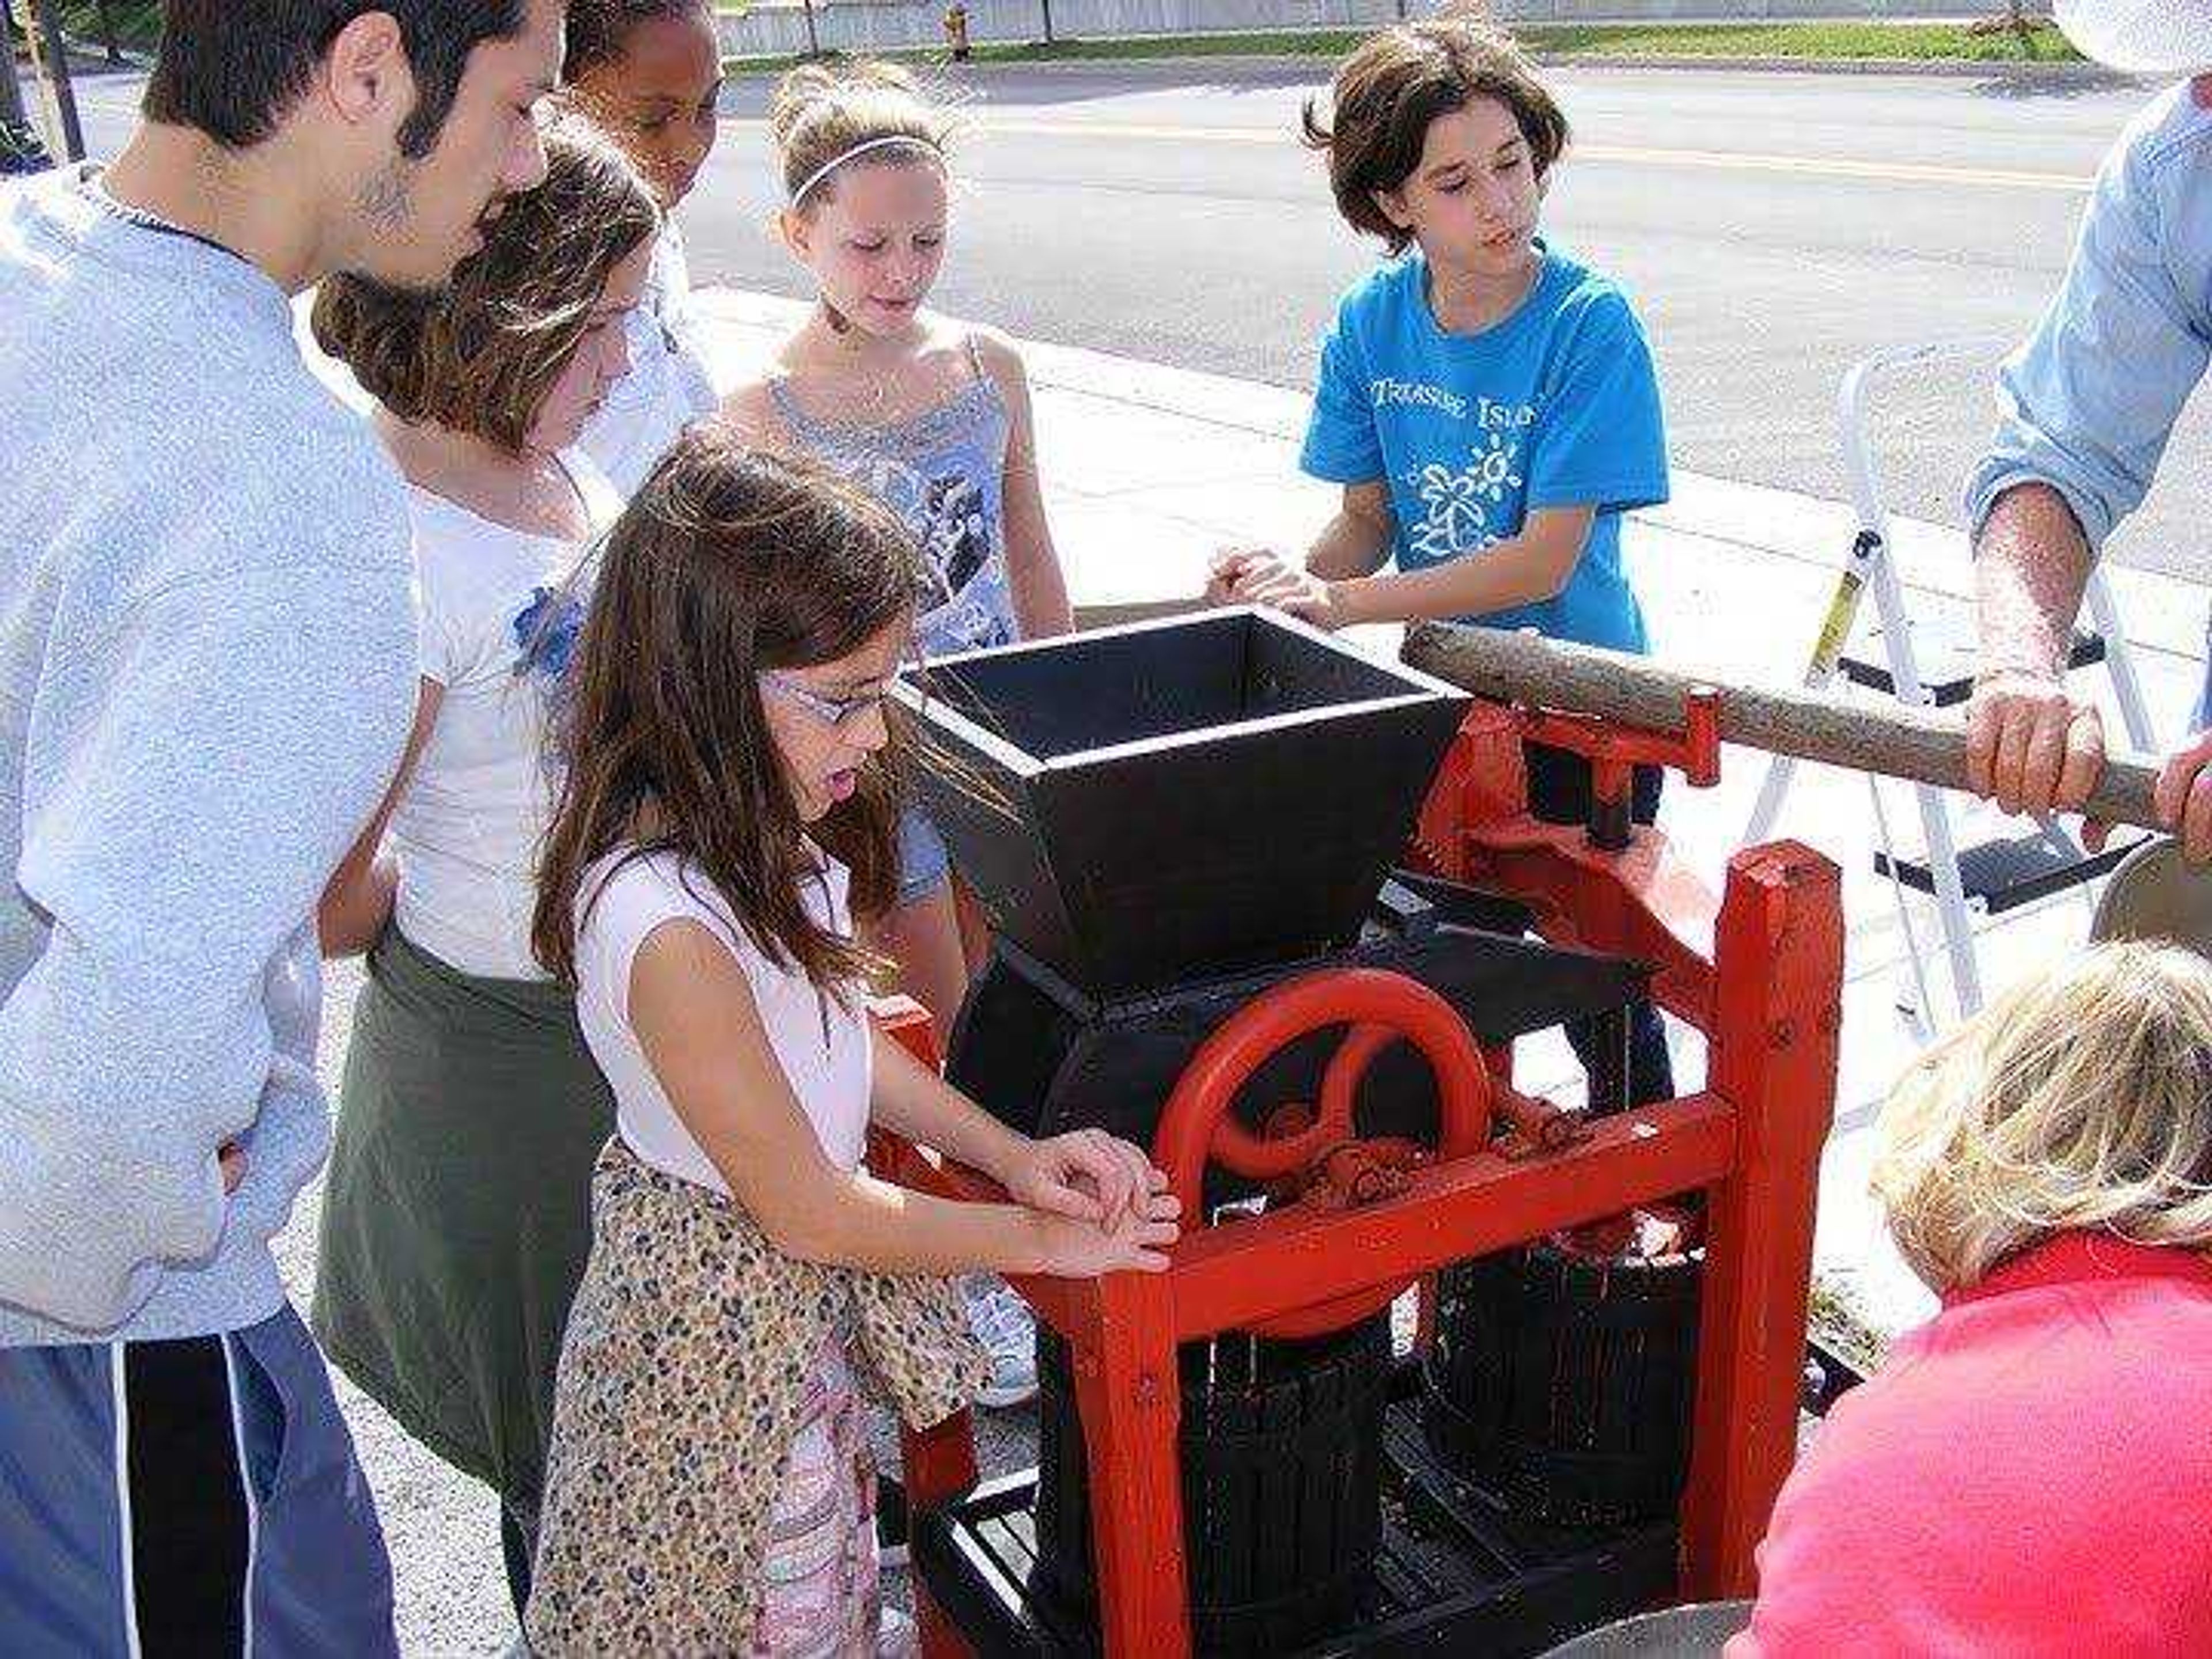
(943, 471)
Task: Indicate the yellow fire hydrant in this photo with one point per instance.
(956, 30)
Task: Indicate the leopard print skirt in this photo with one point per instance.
(708, 1486)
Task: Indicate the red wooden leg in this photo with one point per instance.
(1779, 960)
(940, 1637)
(906, 1022)
(1130, 1400)
(938, 1465)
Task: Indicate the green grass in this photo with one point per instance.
(1839, 41)
(137, 23)
(1844, 40)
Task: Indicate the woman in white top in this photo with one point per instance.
(456, 1216)
(649, 75)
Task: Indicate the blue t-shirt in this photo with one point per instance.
(1556, 405)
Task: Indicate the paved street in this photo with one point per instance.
(1773, 228)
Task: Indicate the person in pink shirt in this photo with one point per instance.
(2031, 1472)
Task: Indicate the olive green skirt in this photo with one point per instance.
(457, 1213)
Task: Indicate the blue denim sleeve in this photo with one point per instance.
(2088, 404)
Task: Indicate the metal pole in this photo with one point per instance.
(48, 52)
(813, 43)
(1047, 22)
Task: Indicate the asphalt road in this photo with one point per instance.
(1773, 229)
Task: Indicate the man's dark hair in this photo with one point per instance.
(231, 68)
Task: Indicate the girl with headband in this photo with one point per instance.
(931, 416)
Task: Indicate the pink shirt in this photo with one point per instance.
(2031, 1473)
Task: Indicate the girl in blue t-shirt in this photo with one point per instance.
(1488, 403)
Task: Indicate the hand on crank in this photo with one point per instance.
(2183, 797)
(1086, 1175)
(1260, 575)
(1131, 1242)
(2031, 748)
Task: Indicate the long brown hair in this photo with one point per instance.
(480, 356)
(729, 561)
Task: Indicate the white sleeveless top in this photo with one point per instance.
(824, 1048)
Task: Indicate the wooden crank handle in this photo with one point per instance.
(1893, 740)
(1198, 1125)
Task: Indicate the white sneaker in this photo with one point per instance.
(1002, 1324)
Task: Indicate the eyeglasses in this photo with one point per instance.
(831, 711)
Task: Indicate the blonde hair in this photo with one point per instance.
(2080, 1101)
(821, 113)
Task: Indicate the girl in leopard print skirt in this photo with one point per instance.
(729, 802)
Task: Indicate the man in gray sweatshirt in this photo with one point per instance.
(207, 669)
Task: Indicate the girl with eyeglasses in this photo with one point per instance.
(728, 808)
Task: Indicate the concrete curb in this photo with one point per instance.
(2059, 74)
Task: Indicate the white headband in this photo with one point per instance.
(859, 149)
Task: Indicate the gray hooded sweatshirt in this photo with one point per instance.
(207, 672)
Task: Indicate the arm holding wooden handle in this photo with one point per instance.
(1893, 740)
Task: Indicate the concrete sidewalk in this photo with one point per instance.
(1149, 469)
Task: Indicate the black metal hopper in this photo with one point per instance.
(1201, 794)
